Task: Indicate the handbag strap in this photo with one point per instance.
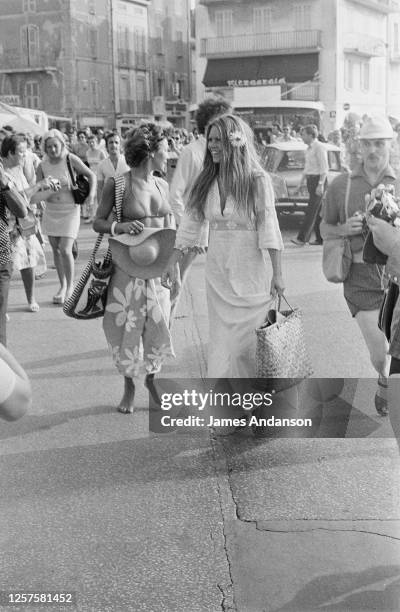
(347, 197)
(119, 189)
(71, 171)
(280, 297)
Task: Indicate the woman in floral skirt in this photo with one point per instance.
(137, 311)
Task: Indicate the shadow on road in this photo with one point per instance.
(367, 590)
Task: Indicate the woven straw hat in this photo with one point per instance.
(143, 255)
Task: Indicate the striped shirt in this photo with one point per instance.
(5, 244)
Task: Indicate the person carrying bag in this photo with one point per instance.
(88, 300)
(336, 250)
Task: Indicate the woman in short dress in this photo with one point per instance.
(137, 312)
(27, 250)
(61, 217)
(231, 211)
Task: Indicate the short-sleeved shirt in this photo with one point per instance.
(106, 168)
(316, 162)
(334, 206)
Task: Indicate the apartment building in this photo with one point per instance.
(171, 52)
(56, 56)
(98, 62)
(332, 55)
(129, 21)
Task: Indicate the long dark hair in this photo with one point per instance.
(236, 171)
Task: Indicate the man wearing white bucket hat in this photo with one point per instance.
(363, 287)
(136, 319)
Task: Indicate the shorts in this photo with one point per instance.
(362, 288)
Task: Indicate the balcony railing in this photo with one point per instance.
(363, 44)
(302, 92)
(12, 60)
(128, 58)
(383, 6)
(260, 43)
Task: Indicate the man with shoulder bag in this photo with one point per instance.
(10, 200)
(344, 216)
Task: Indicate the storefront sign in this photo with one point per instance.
(255, 82)
(92, 122)
(10, 99)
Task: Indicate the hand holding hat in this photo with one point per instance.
(132, 227)
(143, 253)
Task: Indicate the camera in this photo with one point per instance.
(383, 205)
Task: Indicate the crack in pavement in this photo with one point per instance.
(228, 509)
(307, 530)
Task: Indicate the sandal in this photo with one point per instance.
(381, 403)
(58, 299)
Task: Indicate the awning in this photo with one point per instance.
(295, 68)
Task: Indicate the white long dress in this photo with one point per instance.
(237, 275)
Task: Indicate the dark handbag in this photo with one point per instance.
(80, 185)
(88, 300)
(390, 298)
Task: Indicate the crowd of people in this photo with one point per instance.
(219, 200)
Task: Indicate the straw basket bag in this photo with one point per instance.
(281, 346)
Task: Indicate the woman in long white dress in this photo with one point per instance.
(231, 211)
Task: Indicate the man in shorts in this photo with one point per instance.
(363, 288)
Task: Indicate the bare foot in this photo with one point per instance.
(59, 296)
(127, 403)
(33, 306)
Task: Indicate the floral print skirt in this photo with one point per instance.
(136, 324)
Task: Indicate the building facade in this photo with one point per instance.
(331, 55)
(171, 60)
(55, 56)
(131, 63)
(98, 62)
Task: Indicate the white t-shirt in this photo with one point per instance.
(7, 381)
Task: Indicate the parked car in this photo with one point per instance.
(284, 161)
